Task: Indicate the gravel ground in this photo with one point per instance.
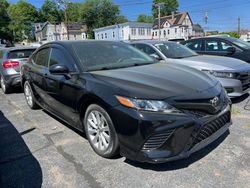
(39, 150)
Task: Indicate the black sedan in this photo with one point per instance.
(125, 101)
(222, 46)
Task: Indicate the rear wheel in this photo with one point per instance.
(5, 87)
(28, 93)
(100, 131)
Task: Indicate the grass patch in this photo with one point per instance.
(235, 110)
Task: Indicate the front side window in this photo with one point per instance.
(41, 57)
(58, 57)
(109, 55)
(216, 45)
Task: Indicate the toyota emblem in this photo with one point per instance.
(215, 102)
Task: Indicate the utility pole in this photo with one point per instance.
(65, 6)
(158, 5)
(206, 22)
(239, 26)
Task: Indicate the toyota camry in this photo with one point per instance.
(125, 101)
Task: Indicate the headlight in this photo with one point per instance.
(220, 74)
(147, 105)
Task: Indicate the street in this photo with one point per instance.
(38, 150)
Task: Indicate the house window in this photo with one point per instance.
(113, 34)
(175, 30)
(148, 32)
(168, 31)
(133, 31)
(122, 33)
(165, 33)
(102, 35)
(156, 33)
(106, 35)
(98, 36)
(153, 33)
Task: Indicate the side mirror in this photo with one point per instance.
(231, 50)
(58, 69)
(155, 56)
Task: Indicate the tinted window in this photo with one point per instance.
(41, 57)
(58, 57)
(216, 45)
(194, 45)
(98, 55)
(17, 54)
(146, 48)
(174, 50)
(239, 42)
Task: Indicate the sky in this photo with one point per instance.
(222, 14)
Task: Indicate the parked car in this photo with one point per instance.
(125, 101)
(233, 74)
(11, 59)
(221, 46)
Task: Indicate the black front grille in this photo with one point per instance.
(157, 139)
(212, 127)
(245, 80)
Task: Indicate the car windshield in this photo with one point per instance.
(18, 54)
(240, 43)
(175, 51)
(96, 55)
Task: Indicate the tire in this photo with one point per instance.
(101, 132)
(5, 87)
(29, 96)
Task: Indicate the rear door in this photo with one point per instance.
(195, 45)
(37, 73)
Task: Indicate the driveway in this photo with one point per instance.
(36, 149)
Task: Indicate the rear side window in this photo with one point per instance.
(194, 45)
(18, 54)
(41, 57)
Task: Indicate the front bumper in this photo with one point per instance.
(234, 87)
(158, 138)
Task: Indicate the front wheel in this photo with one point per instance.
(100, 131)
(29, 96)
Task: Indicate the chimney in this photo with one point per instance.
(172, 15)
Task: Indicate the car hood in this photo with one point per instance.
(214, 63)
(159, 81)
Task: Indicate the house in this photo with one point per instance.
(175, 26)
(245, 36)
(198, 31)
(125, 31)
(53, 32)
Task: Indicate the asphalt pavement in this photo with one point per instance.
(38, 150)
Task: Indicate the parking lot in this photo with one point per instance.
(39, 150)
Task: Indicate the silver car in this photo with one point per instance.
(11, 59)
(233, 74)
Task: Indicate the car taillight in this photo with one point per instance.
(10, 64)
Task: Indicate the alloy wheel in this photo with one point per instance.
(98, 130)
(28, 95)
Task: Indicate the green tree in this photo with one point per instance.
(74, 12)
(121, 19)
(50, 12)
(166, 9)
(145, 18)
(232, 34)
(99, 13)
(22, 15)
(5, 33)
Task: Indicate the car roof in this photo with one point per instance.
(152, 42)
(19, 48)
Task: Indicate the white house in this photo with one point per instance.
(174, 26)
(245, 36)
(53, 32)
(125, 31)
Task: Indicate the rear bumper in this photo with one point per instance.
(12, 80)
